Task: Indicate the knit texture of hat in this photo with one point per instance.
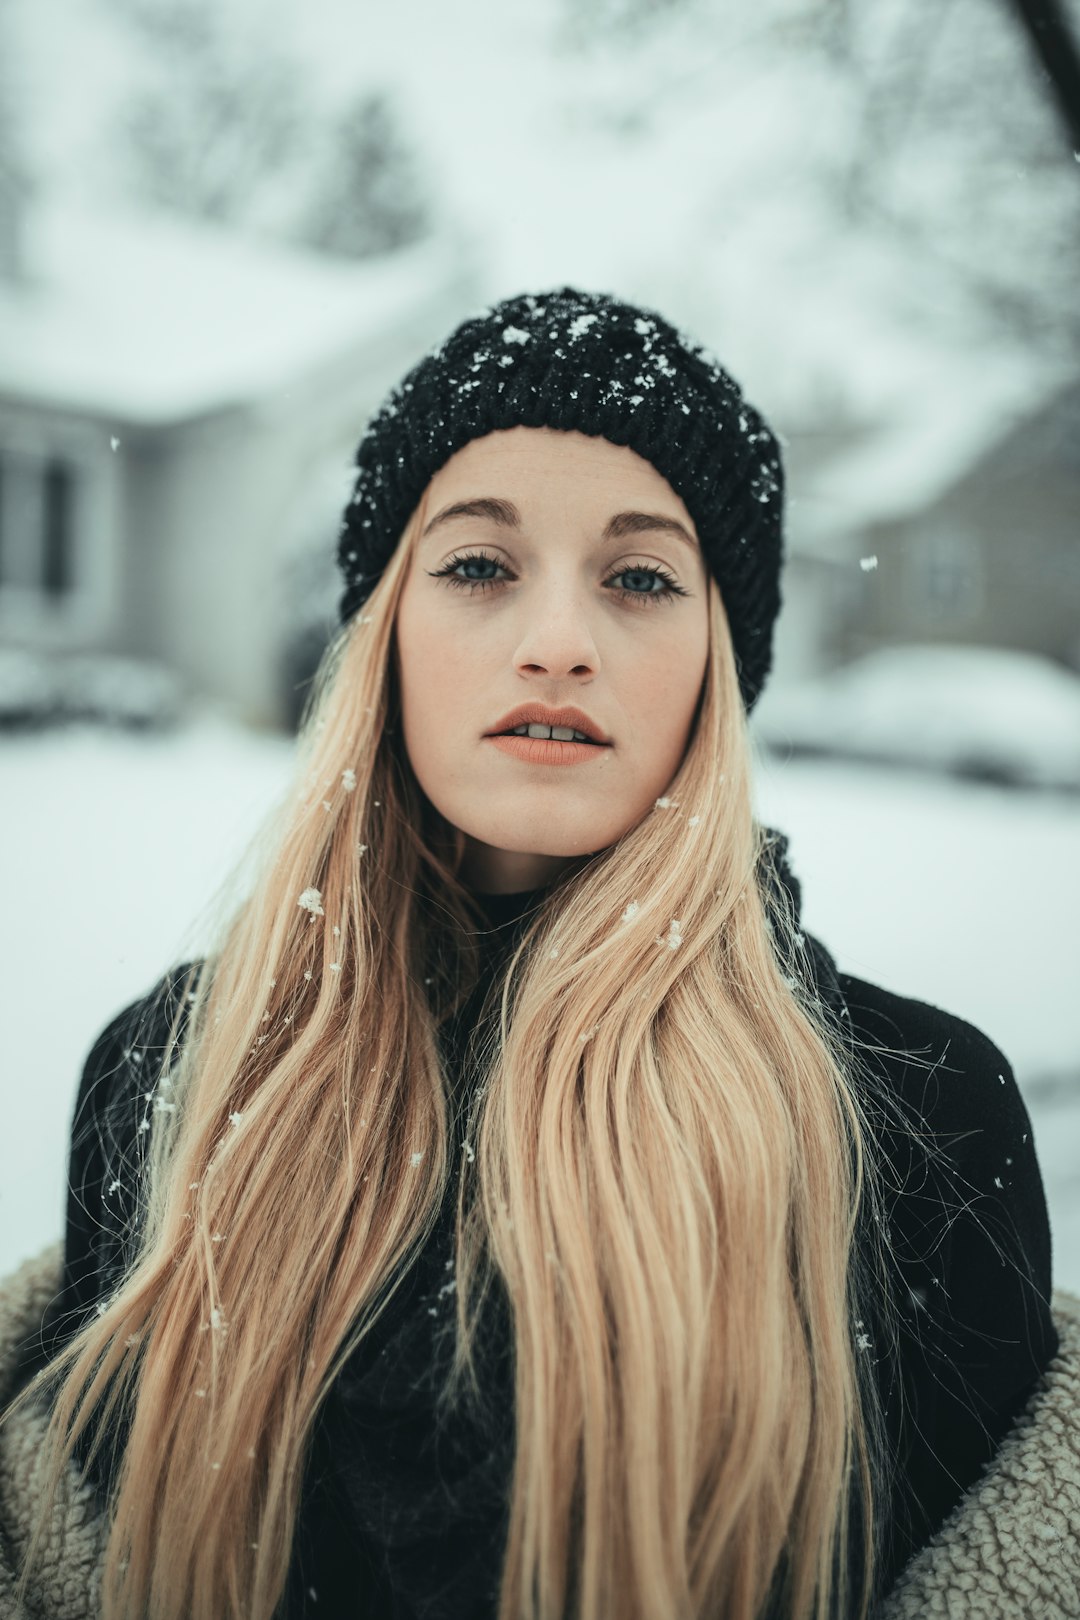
(585, 362)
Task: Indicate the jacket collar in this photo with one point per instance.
(508, 914)
(775, 877)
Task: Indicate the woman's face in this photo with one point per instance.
(574, 544)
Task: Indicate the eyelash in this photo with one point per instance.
(671, 588)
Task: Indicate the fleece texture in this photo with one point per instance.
(1010, 1548)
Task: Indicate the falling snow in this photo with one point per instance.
(311, 900)
(835, 814)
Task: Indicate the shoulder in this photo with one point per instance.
(965, 1198)
(944, 1071)
(106, 1151)
(953, 1123)
(129, 1047)
(915, 1026)
(968, 1234)
(113, 1115)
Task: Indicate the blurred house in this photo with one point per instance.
(955, 519)
(178, 411)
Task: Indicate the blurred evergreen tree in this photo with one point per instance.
(216, 115)
(369, 197)
(16, 181)
(931, 128)
(222, 127)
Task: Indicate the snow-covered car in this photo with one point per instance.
(991, 713)
(39, 689)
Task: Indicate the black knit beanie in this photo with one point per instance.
(586, 362)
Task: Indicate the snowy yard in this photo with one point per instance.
(965, 896)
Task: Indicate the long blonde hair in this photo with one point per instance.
(664, 1167)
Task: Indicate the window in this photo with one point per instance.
(60, 492)
(60, 529)
(39, 498)
(947, 575)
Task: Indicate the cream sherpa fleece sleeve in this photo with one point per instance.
(66, 1584)
(1011, 1548)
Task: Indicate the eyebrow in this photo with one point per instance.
(491, 509)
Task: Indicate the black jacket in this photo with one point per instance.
(416, 1516)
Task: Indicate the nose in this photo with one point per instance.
(558, 642)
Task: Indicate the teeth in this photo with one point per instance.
(560, 733)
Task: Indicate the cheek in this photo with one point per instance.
(414, 660)
(667, 684)
(435, 665)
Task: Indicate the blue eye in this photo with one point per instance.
(671, 588)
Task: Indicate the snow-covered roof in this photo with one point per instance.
(149, 319)
(911, 461)
(826, 327)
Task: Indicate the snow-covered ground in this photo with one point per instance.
(993, 713)
(963, 896)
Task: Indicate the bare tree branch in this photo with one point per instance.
(1047, 29)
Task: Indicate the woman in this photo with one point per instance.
(523, 1216)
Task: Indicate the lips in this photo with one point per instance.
(541, 751)
(540, 714)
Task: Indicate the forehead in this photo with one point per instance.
(539, 466)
